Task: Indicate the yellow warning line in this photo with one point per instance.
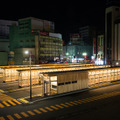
(17, 116)
(5, 103)
(10, 117)
(48, 108)
(31, 113)
(1, 105)
(43, 110)
(37, 111)
(24, 114)
(11, 102)
(23, 100)
(2, 118)
(17, 101)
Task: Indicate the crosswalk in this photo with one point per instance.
(9, 103)
(56, 107)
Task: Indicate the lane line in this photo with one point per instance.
(17, 116)
(10, 117)
(24, 114)
(37, 111)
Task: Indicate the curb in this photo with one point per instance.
(23, 100)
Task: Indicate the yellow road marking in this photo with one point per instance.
(64, 105)
(17, 116)
(31, 113)
(48, 108)
(59, 106)
(16, 101)
(4, 97)
(73, 103)
(69, 104)
(23, 100)
(2, 118)
(11, 102)
(1, 91)
(24, 114)
(43, 110)
(6, 103)
(10, 117)
(54, 107)
(1, 105)
(37, 111)
(79, 102)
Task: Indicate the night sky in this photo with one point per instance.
(65, 14)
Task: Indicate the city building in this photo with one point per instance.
(75, 39)
(38, 35)
(77, 53)
(4, 40)
(112, 28)
(88, 33)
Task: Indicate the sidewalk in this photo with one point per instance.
(22, 94)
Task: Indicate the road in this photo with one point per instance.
(97, 104)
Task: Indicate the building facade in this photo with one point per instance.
(38, 34)
(4, 40)
(75, 53)
(112, 40)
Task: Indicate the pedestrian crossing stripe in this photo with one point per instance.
(56, 107)
(10, 117)
(37, 111)
(48, 108)
(17, 116)
(9, 103)
(31, 113)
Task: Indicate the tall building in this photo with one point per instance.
(4, 40)
(88, 33)
(38, 36)
(112, 30)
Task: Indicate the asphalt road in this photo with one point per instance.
(98, 104)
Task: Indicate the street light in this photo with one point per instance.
(29, 52)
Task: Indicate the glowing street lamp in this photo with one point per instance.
(28, 52)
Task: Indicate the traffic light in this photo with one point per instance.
(85, 57)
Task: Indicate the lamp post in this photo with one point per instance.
(27, 52)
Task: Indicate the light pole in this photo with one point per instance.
(29, 52)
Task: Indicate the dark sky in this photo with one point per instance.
(64, 13)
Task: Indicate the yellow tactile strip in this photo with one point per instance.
(23, 115)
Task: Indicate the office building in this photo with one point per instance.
(112, 28)
(37, 34)
(4, 40)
